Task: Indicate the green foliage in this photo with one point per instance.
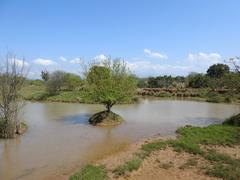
(218, 70)
(213, 97)
(60, 80)
(196, 80)
(110, 83)
(142, 82)
(55, 82)
(72, 81)
(128, 166)
(234, 120)
(68, 96)
(36, 82)
(90, 172)
(165, 81)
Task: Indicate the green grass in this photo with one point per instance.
(224, 171)
(214, 156)
(90, 172)
(128, 166)
(67, 96)
(153, 146)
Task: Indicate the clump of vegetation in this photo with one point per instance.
(153, 146)
(128, 166)
(224, 171)
(234, 120)
(90, 172)
(60, 80)
(213, 97)
(109, 83)
(105, 118)
(164, 94)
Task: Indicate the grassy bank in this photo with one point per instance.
(39, 93)
(199, 142)
(202, 94)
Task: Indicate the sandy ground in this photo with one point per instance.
(153, 168)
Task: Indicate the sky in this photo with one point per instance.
(154, 37)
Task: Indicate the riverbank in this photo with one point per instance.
(39, 93)
(211, 152)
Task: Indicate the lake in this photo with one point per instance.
(60, 140)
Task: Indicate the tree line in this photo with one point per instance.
(217, 76)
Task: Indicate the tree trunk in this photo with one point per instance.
(109, 106)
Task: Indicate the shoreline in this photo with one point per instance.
(140, 98)
(161, 156)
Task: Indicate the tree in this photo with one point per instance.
(218, 70)
(55, 82)
(60, 80)
(45, 75)
(12, 77)
(196, 80)
(72, 81)
(235, 62)
(110, 82)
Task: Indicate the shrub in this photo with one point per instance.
(234, 120)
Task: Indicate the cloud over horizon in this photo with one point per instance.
(44, 62)
(143, 66)
(155, 54)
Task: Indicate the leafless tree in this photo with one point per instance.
(235, 62)
(12, 76)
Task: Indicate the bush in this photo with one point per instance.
(234, 120)
(213, 97)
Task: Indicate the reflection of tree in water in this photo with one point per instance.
(107, 144)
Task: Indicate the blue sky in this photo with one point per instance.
(155, 37)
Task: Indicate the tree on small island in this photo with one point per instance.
(109, 82)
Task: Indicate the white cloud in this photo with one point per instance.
(204, 58)
(76, 61)
(100, 57)
(20, 62)
(147, 68)
(63, 59)
(155, 54)
(44, 62)
(201, 61)
(198, 62)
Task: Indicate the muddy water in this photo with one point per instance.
(60, 140)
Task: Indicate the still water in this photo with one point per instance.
(60, 140)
